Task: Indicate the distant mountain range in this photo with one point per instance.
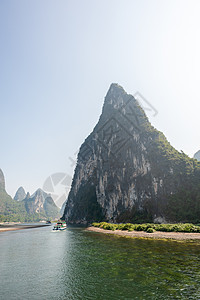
(41, 203)
(26, 208)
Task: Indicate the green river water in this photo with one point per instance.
(76, 264)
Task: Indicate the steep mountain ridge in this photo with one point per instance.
(20, 194)
(126, 169)
(41, 203)
(2, 180)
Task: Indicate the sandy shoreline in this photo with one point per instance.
(155, 235)
(6, 227)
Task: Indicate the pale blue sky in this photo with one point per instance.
(58, 58)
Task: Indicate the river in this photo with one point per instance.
(39, 264)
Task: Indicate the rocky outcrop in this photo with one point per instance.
(2, 180)
(126, 169)
(20, 194)
(197, 155)
(41, 203)
(63, 208)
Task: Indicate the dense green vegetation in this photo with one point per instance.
(15, 211)
(166, 160)
(24, 218)
(180, 174)
(11, 210)
(150, 227)
(184, 206)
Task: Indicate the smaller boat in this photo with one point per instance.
(60, 226)
(48, 222)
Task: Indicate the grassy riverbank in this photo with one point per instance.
(150, 227)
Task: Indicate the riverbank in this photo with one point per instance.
(154, 235)
(12, 227)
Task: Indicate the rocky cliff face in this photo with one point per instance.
(2, 180)
(41, 203)
(63, 208)
(126, 169)
(20, 194)
(197, 155)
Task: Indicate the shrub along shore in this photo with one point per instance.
(150, 227)
(186, 231)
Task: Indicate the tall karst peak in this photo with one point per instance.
(116, 91)
(124, 109)
(20, 194)
(2, 180)
(126, 169)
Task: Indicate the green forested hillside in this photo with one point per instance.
(15, 211)
(11, 210)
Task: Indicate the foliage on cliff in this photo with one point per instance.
(10, 209)
(13, 211)
(136, 174)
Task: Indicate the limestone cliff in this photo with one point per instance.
(126, 169)
(197, 155)
(41, 203)
(2, 180)
(20, 194)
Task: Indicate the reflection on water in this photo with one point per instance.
(76, 264)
